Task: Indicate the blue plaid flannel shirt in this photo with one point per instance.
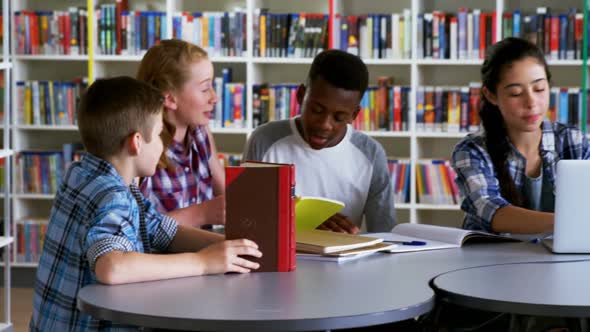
(94, 213)
(477, 179)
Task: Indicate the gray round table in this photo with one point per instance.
(538, 289)
(319, 295)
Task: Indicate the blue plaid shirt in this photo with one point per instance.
(477, 179)
(94, 213)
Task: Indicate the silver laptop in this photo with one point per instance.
(572, 208)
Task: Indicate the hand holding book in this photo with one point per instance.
(339, 223)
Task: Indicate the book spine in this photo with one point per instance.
(286, 219)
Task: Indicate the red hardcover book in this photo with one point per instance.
(397, 108)
(67, 33)
(482, 35)
(121, 5)
(554, 43)
(34, 33)
(547, 34)
(260, 206)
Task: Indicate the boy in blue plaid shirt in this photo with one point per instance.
(506, 173)
(101, 228)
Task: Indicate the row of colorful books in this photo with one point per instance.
(375, 36)
(448, 109)
(220, 33)
(230, 109)
(456, 109)
(565, 105)
(271, 102)
(384, 107)
(399, 170)
(128, 32)
(558, 35)
(29, 239)
(51, 32)
(435, 183)
(48, 102)
(40, 172)
(293, 35)
(462, 35)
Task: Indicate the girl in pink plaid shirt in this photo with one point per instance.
(189, 182)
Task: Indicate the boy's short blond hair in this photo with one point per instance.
(112, 109)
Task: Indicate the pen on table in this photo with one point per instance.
(407, 243)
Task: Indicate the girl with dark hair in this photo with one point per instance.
(506, 172)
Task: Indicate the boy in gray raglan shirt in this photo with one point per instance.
(332, 160)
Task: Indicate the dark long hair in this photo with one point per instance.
(498, 58)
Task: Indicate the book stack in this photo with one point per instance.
(48, 102)
(220, 33)
(435, 182)
(557, 34)
(290, 35)
(230, 110)
(30, 235)
(339, 247)
(40, 172)
(384, 107)
(462, 35)
(375, 36)
(399, 171)
(448, 109)
(51, 32)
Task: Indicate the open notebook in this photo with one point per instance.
(435, 237)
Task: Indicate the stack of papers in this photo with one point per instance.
(332, 246)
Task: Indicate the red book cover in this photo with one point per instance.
(554, 44)
(260, 206)
(474, 101)
(67, 33)
(579, 34)
(397, 108)
(121, 6)
(34, 33)
(482, 35)
(547, 34)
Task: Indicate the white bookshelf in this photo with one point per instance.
(414, 72)
(6, 154)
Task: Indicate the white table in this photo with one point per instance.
(318, 296)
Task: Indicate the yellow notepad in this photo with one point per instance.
(310, 212)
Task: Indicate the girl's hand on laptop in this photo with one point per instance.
(339, 223)
(225, 257)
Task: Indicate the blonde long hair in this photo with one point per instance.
(166, 66)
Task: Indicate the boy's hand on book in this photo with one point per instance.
(339, 223)
(225, 257)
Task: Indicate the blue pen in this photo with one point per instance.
(408, 243)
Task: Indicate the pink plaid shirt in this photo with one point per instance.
(188, 181)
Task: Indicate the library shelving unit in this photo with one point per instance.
(6, 153)
(410, 71)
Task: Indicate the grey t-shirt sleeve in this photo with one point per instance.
(379, 208)
(263, 138)
(251, 150)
